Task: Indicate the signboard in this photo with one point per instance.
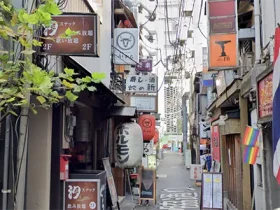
(205, 59)
(147, 184)
(75, 192)
(223, 25)
(111, 182)
(215, 144)
(144, 103)
(223, 51)
(221, 8)
(145, 65)
(196, 172)
(148, 147)
(212, 191)
(126, 49)
(265, 98)
(152, 161)
(83, 44)
(142, 83)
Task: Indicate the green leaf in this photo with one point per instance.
(36, 43)
(28, 52)
(13, 113)
(69, 33)
(98, 77)
(68, 84)
(79, 80)
(3, 80)
(11, 100)
(70, 96)
(7, 8)
(91, 88)
(41, 99)
(52, 8)
(69, 72)
(86, 79)
(33, 110)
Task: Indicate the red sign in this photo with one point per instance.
(215, 144)
(221, 8)
(222, 25)
(265, 98)
(81, 194)
(84, 43)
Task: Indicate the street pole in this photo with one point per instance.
(185, 122)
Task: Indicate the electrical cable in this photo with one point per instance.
(126, 55)
(198, 23)
(153, 13)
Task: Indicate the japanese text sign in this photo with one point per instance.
(148, 147)
(81, 194)
(196, 172)
(84, 43)
(145, 65)
(144, 103)
(141, 83)
(215, 138)
(265, 98)
(223, 25)
(126, 47)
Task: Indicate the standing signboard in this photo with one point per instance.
(126, 49)
(196, 172)
(111, 182)
(147, 184)
(142, 83)
(75, 192)
(85, 43)
(212, 191)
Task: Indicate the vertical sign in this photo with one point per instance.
(215, 138)
(222, 32)
(75, 192)
(205, 59)
(212, 191)
(196, 172)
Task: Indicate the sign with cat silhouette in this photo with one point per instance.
(147, 184)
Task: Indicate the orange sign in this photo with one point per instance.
(223, 50)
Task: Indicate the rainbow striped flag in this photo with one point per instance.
(250, 154)
(251, 136)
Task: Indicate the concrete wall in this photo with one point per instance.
(39, 160)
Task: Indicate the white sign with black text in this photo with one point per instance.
(141, 83)
(148, 147)
(126, 46)
(143, 103)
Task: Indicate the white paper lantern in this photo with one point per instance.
(129, 145)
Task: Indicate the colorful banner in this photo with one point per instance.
(215, 144)
(223, 51)
(251, 136)
(250, 154)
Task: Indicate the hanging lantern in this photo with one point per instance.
(156, 137)
(129, 148)
(148, 125)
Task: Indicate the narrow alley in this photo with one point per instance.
(175, 190)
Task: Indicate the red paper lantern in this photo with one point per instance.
(156, 137)
(147, 123)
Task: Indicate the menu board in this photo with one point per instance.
(147, 184)
(212, 191)
(111, 182)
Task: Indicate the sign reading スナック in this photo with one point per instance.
(265, 98)
(141, 83)
(84, 44)
(81, 194)
(126, 49)
(145, 65)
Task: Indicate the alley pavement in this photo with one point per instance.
(175, 190)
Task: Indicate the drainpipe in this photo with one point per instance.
(257, 14)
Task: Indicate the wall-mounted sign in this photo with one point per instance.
(141, 83)
(223, 25)
(86, 43)
(221, 8)
(205, 59)
(126, 47)
(223, 50)
(144, 103)
(75, 190)
(145, 65)
(265, 98)
(215, 143)
(148, 147)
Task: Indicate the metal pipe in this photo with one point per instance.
(5, 189)
(185, 122)
(257, 14)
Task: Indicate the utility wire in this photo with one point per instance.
(198, 24)
(153, 13)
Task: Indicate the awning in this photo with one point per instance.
(121, 9)
(102, 90)
(122, 111)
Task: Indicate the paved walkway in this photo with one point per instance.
(175, 190)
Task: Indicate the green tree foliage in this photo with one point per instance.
(19, 77)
